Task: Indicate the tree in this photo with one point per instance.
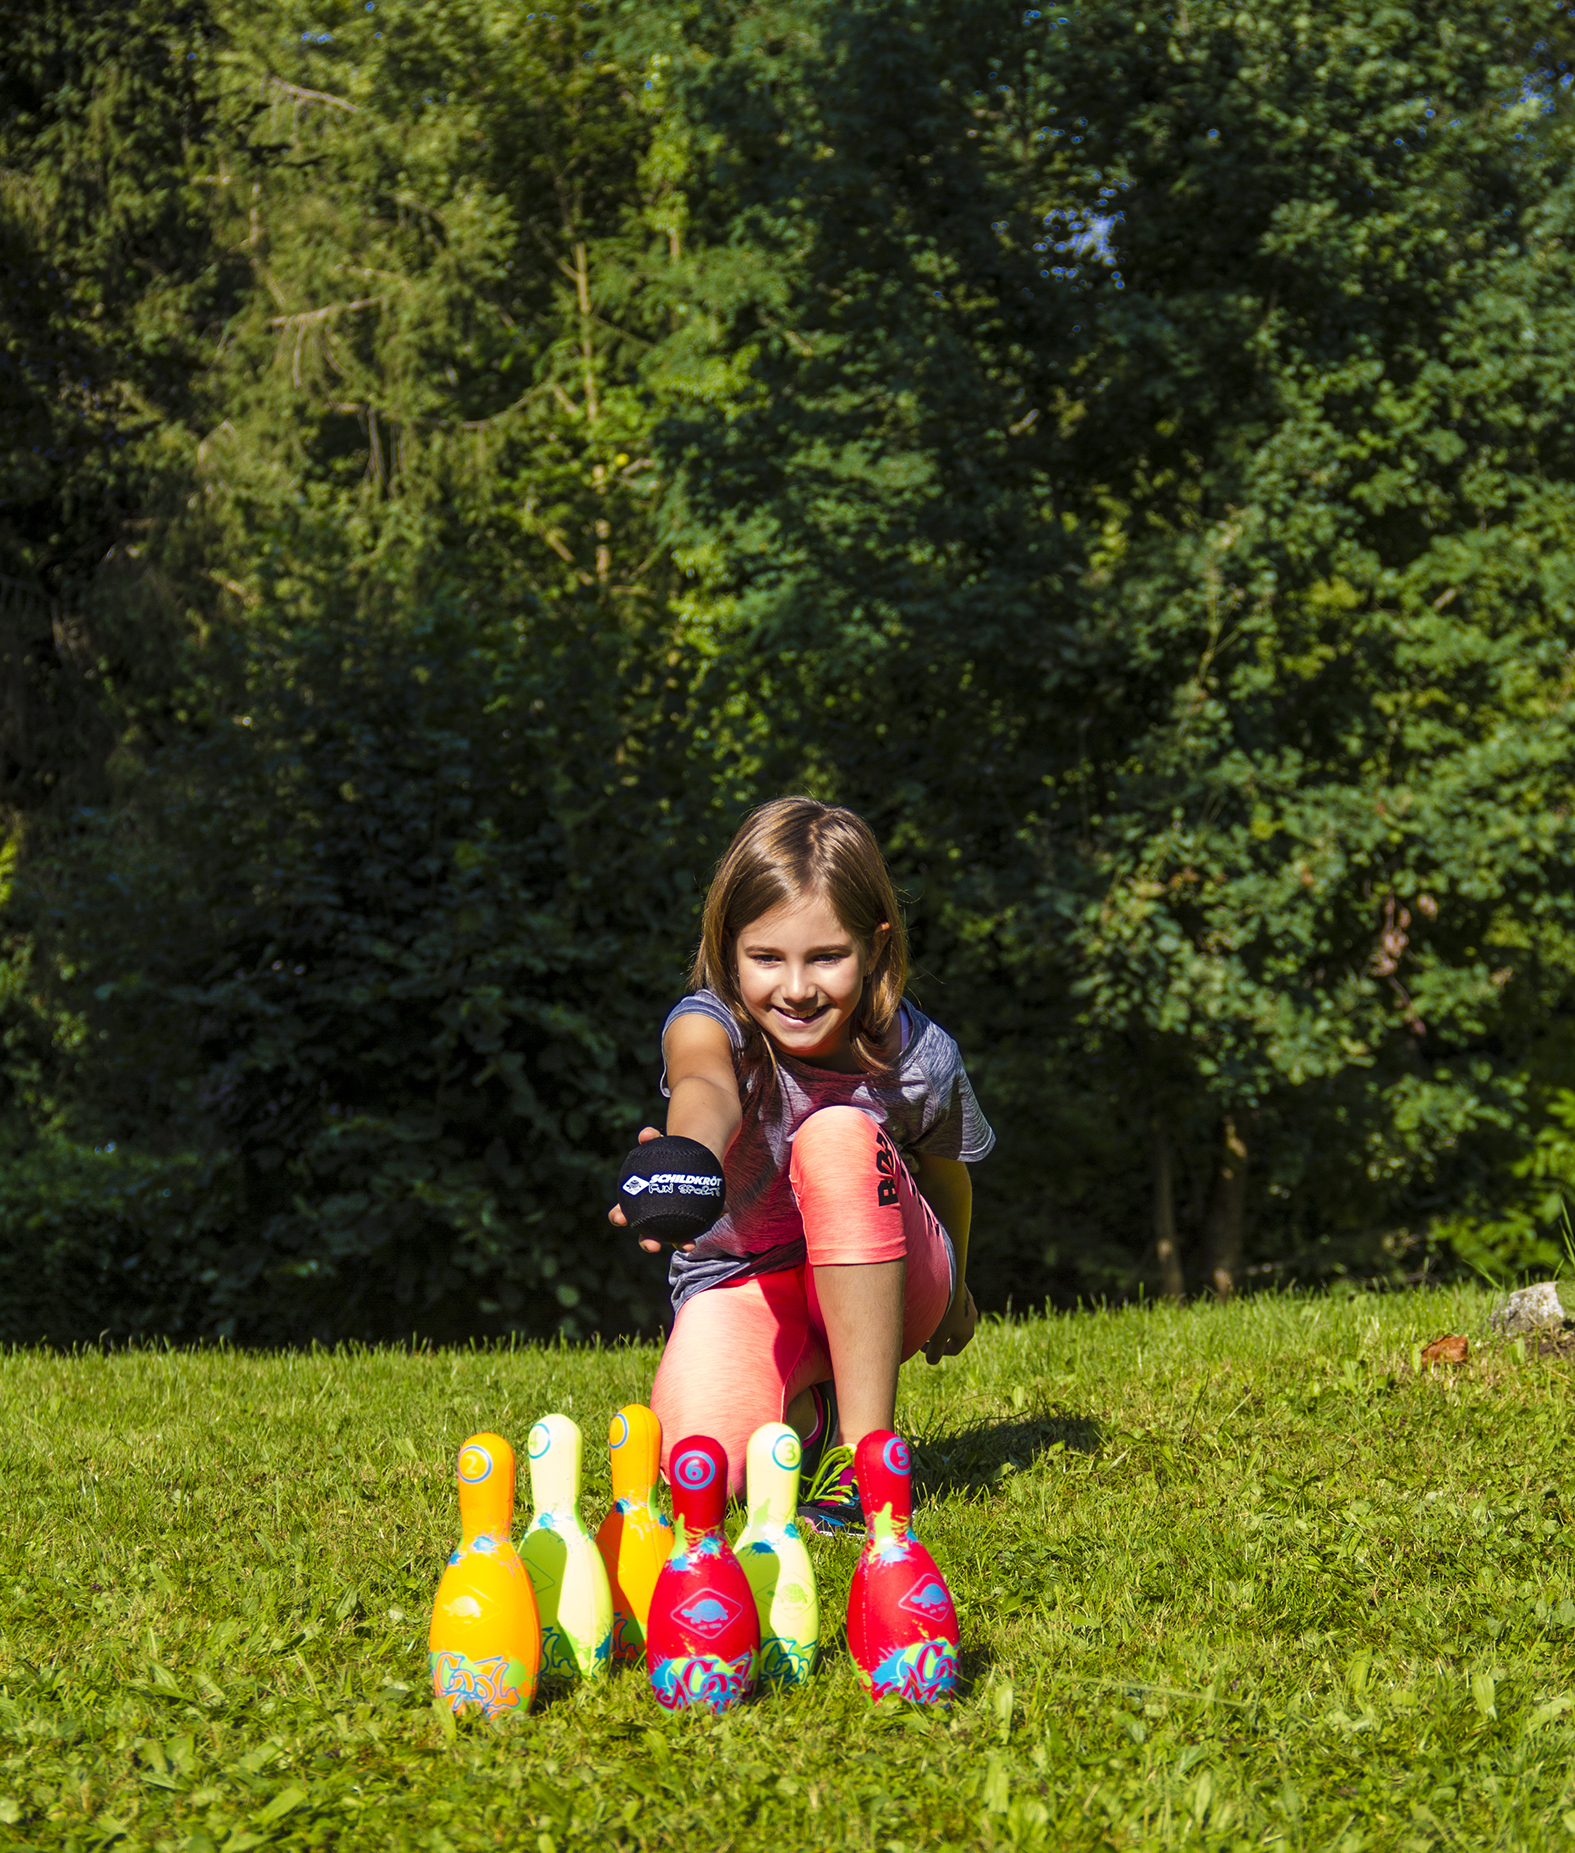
(1170, 409)
(366, 960)
(111, 275)
(1125, 453)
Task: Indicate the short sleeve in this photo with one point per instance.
(703, 1004)
(958, 1130)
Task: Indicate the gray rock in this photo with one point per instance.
(1529, 1309)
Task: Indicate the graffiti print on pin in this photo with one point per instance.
(703, 1680)
(925, 1671)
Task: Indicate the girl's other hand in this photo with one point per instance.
(619, 1221)
(954, 1331)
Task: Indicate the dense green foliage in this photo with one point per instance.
(1227, 1576)
(457, 457)
(365, 954)
(1175, 416)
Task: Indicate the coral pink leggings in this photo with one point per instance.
(740, 1353)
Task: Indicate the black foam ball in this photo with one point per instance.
(671, 1188)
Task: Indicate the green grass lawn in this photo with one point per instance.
(1227, 1576)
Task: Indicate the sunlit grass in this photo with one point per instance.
(1227, 1576)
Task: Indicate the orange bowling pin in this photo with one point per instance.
(634, 1539)
(485, 1645)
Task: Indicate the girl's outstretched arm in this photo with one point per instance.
(948, 1189)
(704, 1102)
(703, 1090)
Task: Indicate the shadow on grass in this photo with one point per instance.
(974, 1457)
(974, 1663)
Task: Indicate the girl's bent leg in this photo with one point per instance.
(737, 1356)
(860, 1307)
(880, 1264)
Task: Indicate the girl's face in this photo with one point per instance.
(801, 974)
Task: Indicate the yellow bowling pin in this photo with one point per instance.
(484, 1648)
(635, 1538)
(566, 1569)
(775, 1558)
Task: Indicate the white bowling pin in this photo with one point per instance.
(566, 1569)
(775, 1558)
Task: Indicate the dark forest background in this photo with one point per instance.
(457, 458)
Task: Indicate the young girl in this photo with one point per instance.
(843, 1123)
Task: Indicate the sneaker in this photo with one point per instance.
(816, 1442)
(830, 1502)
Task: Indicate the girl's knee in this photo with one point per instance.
(839, 1134)
(848, 1183)
(840, 1154)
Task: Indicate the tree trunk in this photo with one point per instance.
(581, 274)
(1227, 1210)
(1165, 1244)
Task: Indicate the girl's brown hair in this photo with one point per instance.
(786, 849)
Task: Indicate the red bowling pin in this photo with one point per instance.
(702, 1642)
(902, 1627)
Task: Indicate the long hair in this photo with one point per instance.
(787, 849)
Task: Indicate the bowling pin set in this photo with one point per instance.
(711, 1619)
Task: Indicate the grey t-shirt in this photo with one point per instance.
(926, 1106)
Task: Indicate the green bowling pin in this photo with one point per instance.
(566, 1569)
(775, 1558)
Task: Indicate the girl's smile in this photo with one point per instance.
(801, 975)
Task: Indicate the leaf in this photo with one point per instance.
(1483, 1693)
(1001, 1702)
(656, 1747)
(997, 1787)
(1551, 1709)
(1451, 1348)
(285, 1802)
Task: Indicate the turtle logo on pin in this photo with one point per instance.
(928, 1598)
(709, 1614)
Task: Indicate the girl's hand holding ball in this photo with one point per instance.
(671, 1189)
(616, 1216)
